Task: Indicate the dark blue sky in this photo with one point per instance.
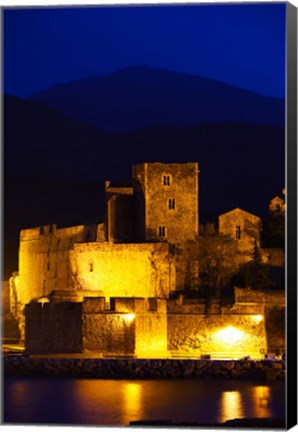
(242, 45)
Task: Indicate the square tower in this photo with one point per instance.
(167, 201)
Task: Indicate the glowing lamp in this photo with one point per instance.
(258, 318)
(129, 317)
(230, 335)
(43, 300)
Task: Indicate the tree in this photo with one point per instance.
(257, 274)
(219, 260)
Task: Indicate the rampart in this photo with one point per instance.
(153, 328)
(44, 259)
(123, 270)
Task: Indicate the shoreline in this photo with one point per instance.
(138, 369)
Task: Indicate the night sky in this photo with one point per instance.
(242, 45)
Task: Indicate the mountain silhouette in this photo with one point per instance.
(136, 97)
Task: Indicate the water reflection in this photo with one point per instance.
(262, 395)
(132, 408)
(116, 403)
(230, 406)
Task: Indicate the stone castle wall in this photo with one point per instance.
(123, 270)
(60, 259)
(220, 336)
(249, 226)
(44, 259)
(132, 327)
(154, 328)
(181, 221)
(53, 328)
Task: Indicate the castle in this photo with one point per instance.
(110, 288)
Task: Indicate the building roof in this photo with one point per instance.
(239, 210)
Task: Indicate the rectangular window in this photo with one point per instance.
(166, 180)
(161, 231)
(238, 232)
(171, 203)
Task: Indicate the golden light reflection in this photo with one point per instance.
(229, 335)
(262, 395)
(132, 402)
(231, 405)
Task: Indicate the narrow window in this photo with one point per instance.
(91, 267)
(238, 232)
(277, 207)
(162, 231)
(166, 180)
(48, 266)
(171, 203)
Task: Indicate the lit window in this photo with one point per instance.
(166, 180)
(162, 231)
(238, 232)
(171, 203)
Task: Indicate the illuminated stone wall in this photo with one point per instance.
(57, 259)
(132, 327)
(155, 328)
(249, 226)
(272, 304)
(108, 334)
(123, 270)
(151, 329)
(221, 336)
(181, 222)
(44, 259)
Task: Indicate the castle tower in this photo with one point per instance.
(167, 201)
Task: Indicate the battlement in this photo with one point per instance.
(124, 305)
(45, 231)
